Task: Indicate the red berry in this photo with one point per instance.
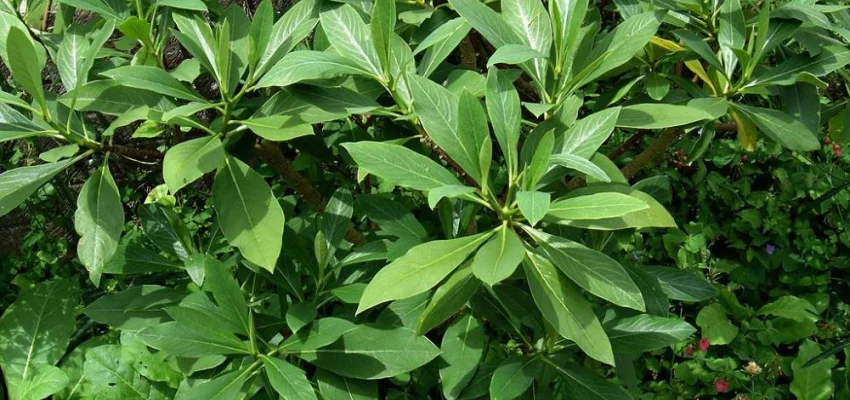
(704, 344)
(745, 158)
(689, 350)
(721, 386)
(827, 140)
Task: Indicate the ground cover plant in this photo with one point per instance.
(404, 199)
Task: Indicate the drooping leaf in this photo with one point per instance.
(99, 220)
(134, 308)
(18, 184)
(682, 285)
(646, 333)
(178, 340)
(588, 385)
(248, 213)
(462, 348)
(190, 160)
(781, 127)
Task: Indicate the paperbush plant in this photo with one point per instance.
(227, 286)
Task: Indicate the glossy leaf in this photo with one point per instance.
(497, 259)
(288, 380)
(99, 220)
(400, 165)
(18, 184)
(596, 206)
(190, 160)
(462, 348)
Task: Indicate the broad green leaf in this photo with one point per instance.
(472, 128)
(486, 21)
(533, 205)
(813, 382)
(592, 270)
(134, 308)
(596, 206)
(47, 380)
(322, 332)
(584, 384)
(190, 160)
(513, 54)
(657, 302)
(382, 26)
(223, 387)
(696, 44)
(180, 341)
(435, 195)
(108, 97)
(563, 306)
(15, 126)
(579, 164)
(538, 165)
(400, 165)
(166, 230)
(448, 299)
(440, 44)
(586, 135)
(134, 259)
(788, 72)
(782, 128)
(248, 213)
(198, 39)
(497, 259)
(295, 25)
(715, 325)
(646, 333)
(113, 376)
(391, 216)
(513, 377)
(438, 110)
(373, 352)
(422, 268)
(654, 216)
(350, 294)
(681, 284)
(791, 307)
(657, 116)
(18, 184)
(112, 10)
(34, 332)
(58, 153)
(228, 295)
(260, 33)
(802, 102)
(154, 79)
(288, 380)
(731, 33)
(279, 128)
(335, 387)
(462, 348)
(504, 110)
(567, 17)
(529, 20)
(70, 57)
(351, 38)
(442, 33)
(306, 65)
(193, 5)
(25, 63)
(300, 314)
(337, 217)
(621, 44)
(99, 220)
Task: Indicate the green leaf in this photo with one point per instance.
(134, 308)
(373, 352)
(113, 10)
(453, 191)
(646, 333)
(781, 127)
(180, 341)
(731, 33)
(715, 325)
(18, 184)
(580, 164)
(504, 109)
(335, 387)
(279, 128)
(223, 387)
(400, 165)
(288, 380)
(190, 160)
(592, 270)
(295, 25)
(533, 205)
(802, 102)
(442, 34)
(391, 216)
(585, 136)
(487, 22)
(448, 299)
(351, 38)
(654, 216)
(596, 206)
(462, 348)
(539, 164)
(228, 295)
(440, 44)
(584, 384)
(69, 57)
(438, 110)
(99, 220)
(166, 230)
(25, 63)
(337, 216)
(113, 376)
(34, 332)
(154, 79)
(813, 382)
(108, 97)
(299, 315)
(621, 44)
(57, 153)
(791, 307)
(696, 44)
(563, 306)
(306, 65)
(47, 380)
(567, 17)
(513, 377)
(529, 20)
(422, 268)
(382, 27)
(657, 116)
(134, 259)
(248, 213)
(497, 259)
(788, 72)
(682, 285)
(513, 54)
(322, 332)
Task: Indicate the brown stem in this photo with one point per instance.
(656, 149)
(627, 145)
(271, 154)
(134, 152)
(442, 154)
